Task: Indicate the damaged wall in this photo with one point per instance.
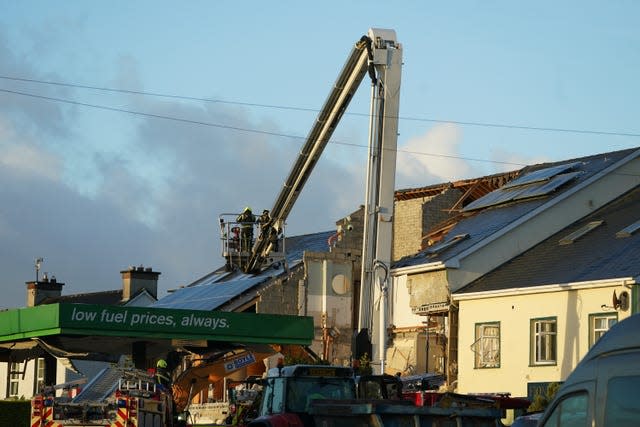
(413, 218)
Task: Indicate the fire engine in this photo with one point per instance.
(116, 397)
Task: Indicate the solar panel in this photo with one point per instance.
(521, 192)
(207, 296)
(545, 187)
(541, 175)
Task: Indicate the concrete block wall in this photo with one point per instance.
(281, 296)
(349, 235)
(414, 218)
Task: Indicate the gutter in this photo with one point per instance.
(560, 287)
(421, 268)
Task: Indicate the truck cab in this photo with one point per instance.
(288, 392)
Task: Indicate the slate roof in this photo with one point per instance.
(597, 255)
(477, 225)
(103, 297)
(219, 287)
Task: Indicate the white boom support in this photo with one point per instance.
(379, 196)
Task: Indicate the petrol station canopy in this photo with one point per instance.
(101, 332)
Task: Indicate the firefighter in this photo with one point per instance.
(268, 231)
(263, 220)
(246, 220)
(163, 377)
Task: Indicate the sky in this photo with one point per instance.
(96, 176)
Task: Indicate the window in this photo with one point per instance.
(622, 405)
(570, 412)
(277, 404)
(38, 384)
(543, 341)
(567, 240)
(628, 231)
(15, 371)
(599, 324)
(272, 402)
(487, 345)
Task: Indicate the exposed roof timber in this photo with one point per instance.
(439, 231)
(473, 188)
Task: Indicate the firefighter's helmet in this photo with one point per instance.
(161, 363)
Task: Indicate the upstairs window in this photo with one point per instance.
(599, 324)
(544, 341)
(487, 345)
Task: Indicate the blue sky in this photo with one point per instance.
(94, 190)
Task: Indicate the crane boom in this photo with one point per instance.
(328, 118)
(374, 52)
(380, 55)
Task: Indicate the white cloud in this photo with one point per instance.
(433, 157)
(23, 157)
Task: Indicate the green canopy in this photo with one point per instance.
(83, 328)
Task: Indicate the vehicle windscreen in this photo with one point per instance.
(301, 391)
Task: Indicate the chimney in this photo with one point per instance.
(40, 290)
(135, 279)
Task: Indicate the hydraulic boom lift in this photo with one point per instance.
(380, 55)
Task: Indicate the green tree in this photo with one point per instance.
(541, 401)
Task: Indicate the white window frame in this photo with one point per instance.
(39, 375)
(15, 372)
(544, 343)
(487, 345)
(596, 332)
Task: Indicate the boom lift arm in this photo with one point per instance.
(379, 54)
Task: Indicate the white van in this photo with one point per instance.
(604, 389)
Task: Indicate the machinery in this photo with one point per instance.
(379, 55)
(323, 395)
(117, 397)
